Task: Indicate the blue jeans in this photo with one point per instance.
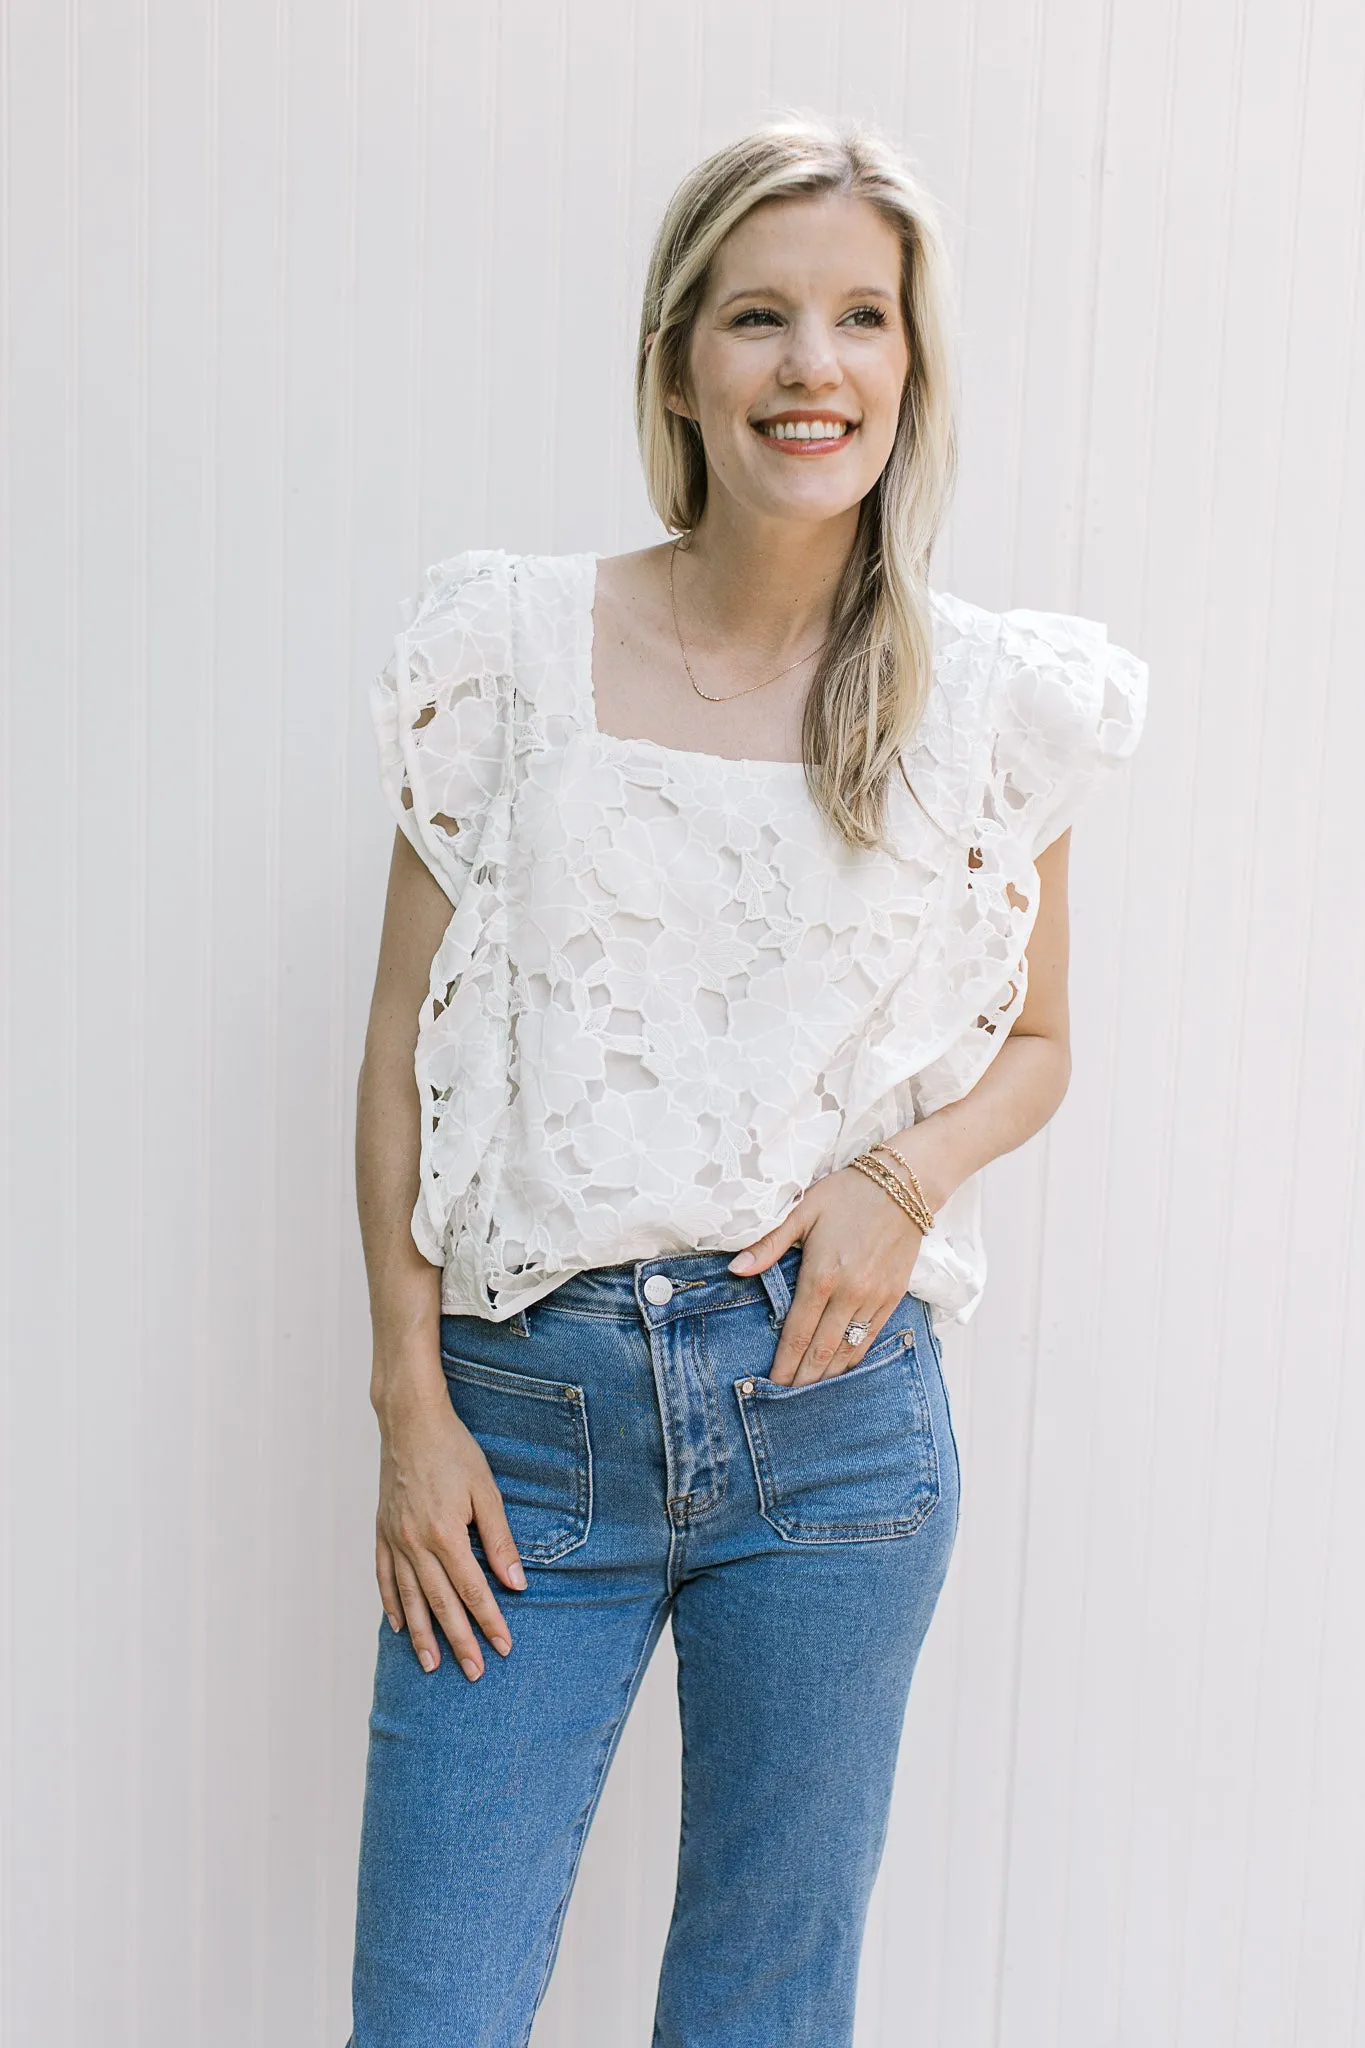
(795, 1537)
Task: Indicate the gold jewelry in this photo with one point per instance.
(914, 1203)
(914, 1181)
(673, 602)
(889, 1185)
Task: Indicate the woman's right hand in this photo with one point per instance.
(434, 1481)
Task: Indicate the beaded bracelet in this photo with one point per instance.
(883, 1177)
(919, 1208)
(890, 1185)
(914, 1180)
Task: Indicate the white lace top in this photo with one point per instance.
(669, 997)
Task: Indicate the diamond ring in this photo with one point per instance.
(855, 1333)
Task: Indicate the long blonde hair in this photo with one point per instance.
(870, 688)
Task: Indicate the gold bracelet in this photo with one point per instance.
(889, 1185)
(882, 1146)
(918, 1207)
(887, 1182)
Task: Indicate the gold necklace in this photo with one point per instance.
(673, 601)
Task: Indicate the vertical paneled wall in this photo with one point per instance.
(300, 296)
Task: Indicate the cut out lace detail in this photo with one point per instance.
(668, 997)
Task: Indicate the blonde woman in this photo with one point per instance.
(727, 934)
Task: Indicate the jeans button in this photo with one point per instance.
(658, 1289)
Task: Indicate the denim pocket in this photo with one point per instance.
(935, 1340)
(849, 1458)
(534, 1434)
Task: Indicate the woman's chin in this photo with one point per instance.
(813, 507)
(807, 497)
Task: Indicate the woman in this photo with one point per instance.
(727, 929)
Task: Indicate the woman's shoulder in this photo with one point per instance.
(1042, 664)
(494, 620)
(489, 638)
(1054, 701)
(490, 584)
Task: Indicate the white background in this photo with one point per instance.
(303, 294)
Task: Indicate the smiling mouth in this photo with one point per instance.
(806, 434)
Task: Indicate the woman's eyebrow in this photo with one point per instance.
(767, 291)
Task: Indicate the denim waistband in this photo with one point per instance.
(698, 1284)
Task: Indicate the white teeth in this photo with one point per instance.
(806, 430)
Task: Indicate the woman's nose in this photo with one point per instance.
(811, 357)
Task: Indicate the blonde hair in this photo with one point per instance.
(870, 688)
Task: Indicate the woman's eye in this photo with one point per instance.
(762, 316)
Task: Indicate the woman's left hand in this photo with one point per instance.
(858, 1250)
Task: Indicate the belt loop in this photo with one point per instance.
(778, 1293)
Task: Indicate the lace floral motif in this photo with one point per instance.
(668, 997)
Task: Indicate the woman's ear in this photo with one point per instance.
(671, 398)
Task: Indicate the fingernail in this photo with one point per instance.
(427, 1661)
(741, 1262)
(394, 1623)
(469, 1667)
(502, 1644)
(517, 1575)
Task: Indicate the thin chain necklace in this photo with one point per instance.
(673, 601)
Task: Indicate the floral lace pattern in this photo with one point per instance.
(669, 997)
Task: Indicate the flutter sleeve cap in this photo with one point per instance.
(441, 708)
(1067, 706)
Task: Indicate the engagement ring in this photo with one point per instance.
(855, 1333)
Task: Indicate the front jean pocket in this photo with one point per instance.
(534, 1434)
(849, 1458)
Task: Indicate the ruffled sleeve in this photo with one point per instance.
(442, 711)
(1066, 706)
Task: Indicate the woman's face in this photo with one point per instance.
(799, 356)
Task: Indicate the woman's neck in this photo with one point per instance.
(767, 585)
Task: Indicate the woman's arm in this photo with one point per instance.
(434, 1479)
(858, 1246)
(1023, 1087)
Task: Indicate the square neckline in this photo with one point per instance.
(587, 640)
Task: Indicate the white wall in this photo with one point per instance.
(303, 294)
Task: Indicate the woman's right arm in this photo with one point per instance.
(433, 1478)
